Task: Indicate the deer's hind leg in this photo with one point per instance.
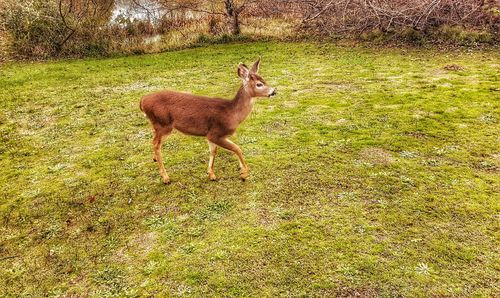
(213, 151)
(160, 132)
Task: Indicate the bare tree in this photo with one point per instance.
(230, 9)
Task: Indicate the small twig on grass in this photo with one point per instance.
(9, 257)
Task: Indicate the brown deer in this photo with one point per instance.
(214, 118)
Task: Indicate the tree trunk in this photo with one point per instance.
(233, 14)
(236, 25)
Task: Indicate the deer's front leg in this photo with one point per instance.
(227, 144)
(213, 152)
(160, 133)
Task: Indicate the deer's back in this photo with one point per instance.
(188, 113)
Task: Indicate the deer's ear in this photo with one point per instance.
(255, 66)
(243, 72)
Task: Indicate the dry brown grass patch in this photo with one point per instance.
(377, 156)
(453, 67)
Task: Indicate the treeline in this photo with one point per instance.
(77, 28)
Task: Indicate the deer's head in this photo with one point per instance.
(254, 84)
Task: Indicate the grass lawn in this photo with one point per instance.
(374, 172)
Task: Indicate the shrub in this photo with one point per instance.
(224, 38)
(412, 36)
(413, 21)
(32, 27)
(458, 35)
(44, 29)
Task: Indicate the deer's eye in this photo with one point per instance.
(260, 85)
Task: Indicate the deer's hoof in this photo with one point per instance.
(212, 177)
(166, 180)
(244, 175)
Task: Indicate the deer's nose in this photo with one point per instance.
(273, 93)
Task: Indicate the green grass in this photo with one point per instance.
(373, 173)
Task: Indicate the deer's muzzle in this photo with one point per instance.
(273, 93)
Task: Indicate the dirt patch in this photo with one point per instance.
(266, 218)
(416, 134)
(144, 242)
(282, 127)
(376, 156)
(364, 292)
(453, 67)
(487, 166)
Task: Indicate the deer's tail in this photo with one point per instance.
(140, 104)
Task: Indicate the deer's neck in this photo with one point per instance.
(242, 104)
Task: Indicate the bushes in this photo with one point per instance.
(443, 35)
(42, 29)
(414, 21)
(31, 27)
(221, 39)
(458, 35)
